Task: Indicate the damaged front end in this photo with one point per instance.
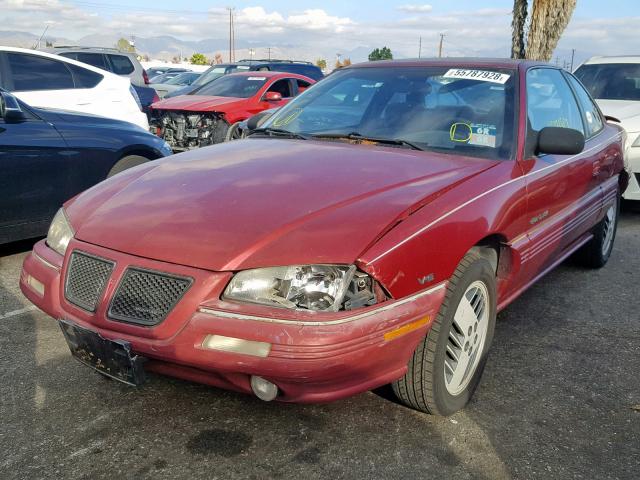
(189, 130)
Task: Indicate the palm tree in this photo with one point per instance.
(517, 26)
(548, 20)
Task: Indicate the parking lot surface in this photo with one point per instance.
(560, 398)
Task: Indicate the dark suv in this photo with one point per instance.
(289, 66)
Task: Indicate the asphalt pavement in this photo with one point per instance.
(560, 398)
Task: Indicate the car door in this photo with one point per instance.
(46, 82)
(562, 198)
(33, 177)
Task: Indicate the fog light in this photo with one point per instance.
(36, 285)
(263, 389)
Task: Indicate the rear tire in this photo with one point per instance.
(596, 253)
(462, 332)
(127, 162)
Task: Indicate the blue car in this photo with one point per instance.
(48, 156)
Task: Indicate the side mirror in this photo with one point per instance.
(10, 108)
(273, 96)
(259, 118)
(560, 141)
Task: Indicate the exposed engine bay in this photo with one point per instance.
(188, 130)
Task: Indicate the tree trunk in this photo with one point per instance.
(517, 28)
(549, 18)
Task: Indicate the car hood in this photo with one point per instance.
(264, 202)
(626, 111)
(198, 103)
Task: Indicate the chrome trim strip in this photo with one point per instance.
(384, 308)
(48, 264)
(483, 194)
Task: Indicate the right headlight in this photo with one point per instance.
(308, 287)
(60, 233)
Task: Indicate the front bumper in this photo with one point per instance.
(312, 358)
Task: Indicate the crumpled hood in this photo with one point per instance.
(198, 103)
(261, 202)
(627, 112)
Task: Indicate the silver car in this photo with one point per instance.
(125, 64)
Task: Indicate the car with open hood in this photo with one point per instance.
(204, 116)
(367, 233)
(614, 83)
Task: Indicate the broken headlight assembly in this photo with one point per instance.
(327, 288)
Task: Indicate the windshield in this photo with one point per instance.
(611, 81)
(461, 111)
(239, 86)
(218, 71)
(183, 79)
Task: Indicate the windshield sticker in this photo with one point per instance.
(259, 79)
(482, 75)
(483, 135)
(460, 132)
(287, 119)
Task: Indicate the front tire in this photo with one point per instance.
(447, 365)
(596, 253)
(125, 163)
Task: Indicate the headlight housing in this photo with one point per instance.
(309, 287)
(60, 233)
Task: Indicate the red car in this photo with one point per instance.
(204, 116)
(366, 234)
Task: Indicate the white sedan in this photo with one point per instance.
(615, 84)
(49, 81)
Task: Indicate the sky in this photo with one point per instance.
(324, 29)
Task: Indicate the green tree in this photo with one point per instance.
(321, 63)
(124, 45)
(383, 53)
(199, 59)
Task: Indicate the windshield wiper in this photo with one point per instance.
(279, 132)
(357, 136)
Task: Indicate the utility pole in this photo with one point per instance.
(269, 53)
(420, 48)
(231, 35)
(440, 47)
(37, 45)
(573, 52)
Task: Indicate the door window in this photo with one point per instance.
(31, 72)
(121, 65)
(283, 87)
(592, 118)
(550, 101)
(95, 59)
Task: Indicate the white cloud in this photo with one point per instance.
(424, 8)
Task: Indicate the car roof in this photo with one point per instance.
(40, 53)
(613, 59)
(268, 74)
(71, 48)
(472, 62)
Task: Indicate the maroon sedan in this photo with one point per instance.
(367, 234)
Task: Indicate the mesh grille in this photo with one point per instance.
(146, 297)
(86, 279)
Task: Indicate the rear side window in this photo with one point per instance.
(94, 59)
(31, 72)
(84, 78)
(121, 64)
(592, 115)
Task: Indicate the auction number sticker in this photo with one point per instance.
(483, 75)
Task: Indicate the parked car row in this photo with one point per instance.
(366, 233)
